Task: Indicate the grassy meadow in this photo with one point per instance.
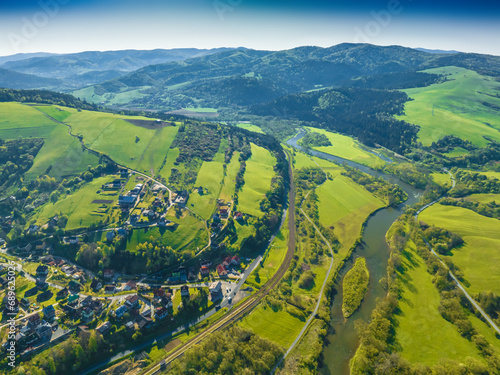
(422, 334)
(491, 174)
(189, 231)
(61, 155)
(344, 205)
(442, 179)
(455, 107)
(210, 177)
(229, 186)
(258, 175)
(479, 257)
(484, 198)
(127, 144)
(89, 94)
(348, 148)
(251, 127)
(79, 208)
(278, 326)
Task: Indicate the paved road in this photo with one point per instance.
(457, 282)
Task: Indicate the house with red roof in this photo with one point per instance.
(221, 270)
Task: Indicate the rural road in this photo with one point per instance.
(460, 286)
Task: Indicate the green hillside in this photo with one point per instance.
(61, 154)
(465, 105)
(479, 256)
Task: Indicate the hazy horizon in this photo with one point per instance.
(72, 26)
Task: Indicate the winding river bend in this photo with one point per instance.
(342, 341)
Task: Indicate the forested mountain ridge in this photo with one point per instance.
(90, 67)
(365, 113)
(252, 76)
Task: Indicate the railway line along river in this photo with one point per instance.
(342, 340)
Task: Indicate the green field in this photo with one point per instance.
(227, 191)
(251, 127)
(60, 155)
(484, 198)
(201, 109)
(89, 94)
(442, 179)
(79, 208)
(455, 107)
(57, 112)
(258, 175)
(302, 160)
(344, 205)
(457, 151)
(127, 144)
(422, 334)
(277, 326)
(492, 174)
(479, 257)
(210, 177)
(190, 231)
(348, 148)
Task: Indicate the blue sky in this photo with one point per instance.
(63, 26)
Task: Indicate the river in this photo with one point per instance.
(342, 341)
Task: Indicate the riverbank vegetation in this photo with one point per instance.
(354, 287)
(418, 288)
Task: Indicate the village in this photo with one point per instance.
(110, 305)
(61, 297)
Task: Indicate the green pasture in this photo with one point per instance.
(123, 97)
(455, 107)
(229, 186)
(251, 127)
(348, 148)
(258, 175)
(210, 178)
(442, 179)
(344, 205)
(79, 208)
(201, 109)
(278, 326)
(127, 144)
(422, 334)
(484, 198)
(189, 231)
(479, 257)
(61, 155)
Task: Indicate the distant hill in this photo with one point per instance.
(245, 77)
(15, 80)
(441, 51)
(80, 69)
(24, 56)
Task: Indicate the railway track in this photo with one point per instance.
(247, 306)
